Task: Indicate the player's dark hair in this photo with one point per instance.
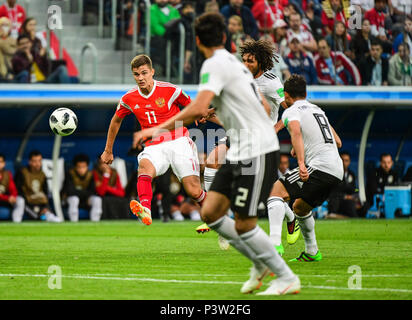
(81, 157)
(284, 155)
(2, 156)
(295, 86)
(23, 36)
(210, 28)
(344, 153)
(141, 60)
(385, 154)
(34, 153)
(262, 50)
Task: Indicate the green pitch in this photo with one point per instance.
(128, 260)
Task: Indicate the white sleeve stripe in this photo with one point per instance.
(125, 105)
(176, 94)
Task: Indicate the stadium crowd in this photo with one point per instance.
(97, 193)
(331, 42)
(323, 40)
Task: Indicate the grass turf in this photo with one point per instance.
(128, 260)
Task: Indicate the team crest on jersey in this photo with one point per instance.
(160, 102)
(136, 107)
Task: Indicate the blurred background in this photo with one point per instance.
(355, 55)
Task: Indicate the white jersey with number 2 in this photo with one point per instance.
(238, 105)
(321, 151)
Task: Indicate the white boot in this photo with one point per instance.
(280, 287)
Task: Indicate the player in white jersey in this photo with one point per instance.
(320, 168)
(253, 156)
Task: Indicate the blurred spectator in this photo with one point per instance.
(8, 190)
(236, 7)
(374, 69)
(107, 180)
(187, 18)
(342, 199)
(297, 28)
(279, 37)
(8, 47)
(31, 183)
(400, 67)
(281, 69)
(177, 4)
(16, 14)
(381, 177)
(283, 165)
(211, 6)
(400, 9)
(237, 36)
(162, 15)
(29, 28)
(29, 66)
(299, 62)
(376, 16)
(266, 13)
(39, 41)
(406, 36)
(109, 187)
(313, 18)
(339, 39)
(333, 10)
(79, 190)
(335, 67)
(288, 10)
(361, 43)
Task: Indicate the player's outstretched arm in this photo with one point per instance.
(115, 123)
(195, 110)
(297, 144)
(337, 138)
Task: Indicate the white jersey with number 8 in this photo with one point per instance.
(321, 151)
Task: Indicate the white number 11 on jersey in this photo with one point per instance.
(148, 116)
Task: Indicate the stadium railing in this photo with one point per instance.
(371, 99)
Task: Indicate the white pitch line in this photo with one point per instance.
(198, 281)
(236, 275)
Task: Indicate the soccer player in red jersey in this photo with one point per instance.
(154, 102)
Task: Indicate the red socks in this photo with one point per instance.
(201, 198)
(144, 190)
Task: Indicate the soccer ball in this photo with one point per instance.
(63, 121)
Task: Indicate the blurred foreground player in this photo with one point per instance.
(154, 102)
(258, 57)
(248, 177)
(320, 169)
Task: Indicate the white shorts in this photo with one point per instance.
(180, 154)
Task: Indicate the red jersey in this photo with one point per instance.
(16, 15)
(158, 106)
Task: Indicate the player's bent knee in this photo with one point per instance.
(279, 190)
(301, 208)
